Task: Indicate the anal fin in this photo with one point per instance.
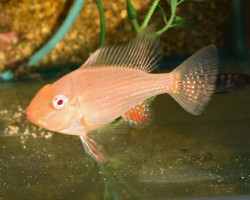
(139, 116)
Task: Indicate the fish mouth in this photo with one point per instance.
(41, 122)
(31, 118)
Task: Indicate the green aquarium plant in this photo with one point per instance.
(173, 21)
(102, 22)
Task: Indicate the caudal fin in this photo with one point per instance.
(195, 80)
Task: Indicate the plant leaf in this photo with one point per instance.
(162, 13)
(178, 21)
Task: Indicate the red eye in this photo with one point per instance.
(59, 101)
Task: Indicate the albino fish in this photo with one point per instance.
(115, 82)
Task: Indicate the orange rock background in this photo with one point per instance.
(35, 21)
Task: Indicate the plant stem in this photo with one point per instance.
(132, 16)
(64, 28)
(7, 75)
(169, 23)
(149, 14)
(135, 26)
(102, 22)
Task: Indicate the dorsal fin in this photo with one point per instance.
(143, 53)
(139, 116)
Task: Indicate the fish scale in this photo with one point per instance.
(127, 93)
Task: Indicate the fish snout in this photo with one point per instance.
(33, 118)
(30, 115)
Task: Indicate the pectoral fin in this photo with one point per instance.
(91, 150)
(89, 144)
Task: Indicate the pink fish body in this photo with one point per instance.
(115, 82)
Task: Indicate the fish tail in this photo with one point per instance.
(195, 79)
(91, 150)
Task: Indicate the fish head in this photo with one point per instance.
(52, 109)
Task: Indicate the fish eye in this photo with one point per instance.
(59, 101)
